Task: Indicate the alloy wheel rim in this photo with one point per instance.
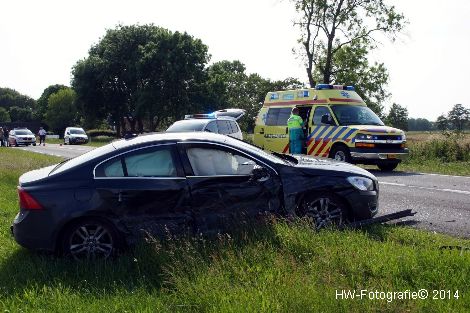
(340, 156)
(91, 242)
(324, 213)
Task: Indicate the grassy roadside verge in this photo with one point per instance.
(277, 267)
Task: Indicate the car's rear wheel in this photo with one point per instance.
(340, 153)
(325, 210)
(90, 240)
(387, 167)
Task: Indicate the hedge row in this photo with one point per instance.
(101, 132)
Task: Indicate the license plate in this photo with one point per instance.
(391, 156)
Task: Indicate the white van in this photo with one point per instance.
(75, 135)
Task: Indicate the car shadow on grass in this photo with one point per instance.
(149, 265)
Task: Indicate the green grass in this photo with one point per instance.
(94, 141)
(275, 267)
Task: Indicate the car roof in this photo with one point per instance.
(226, 118)
(183, 136)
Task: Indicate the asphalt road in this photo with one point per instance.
(442, 202)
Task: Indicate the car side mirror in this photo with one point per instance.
(68, 133)
(259, 173)
(326, 119)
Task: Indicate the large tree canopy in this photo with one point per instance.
(229, 86)
(12, 98)
(141, 73)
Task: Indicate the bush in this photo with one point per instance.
(101, 132)
(447, 150)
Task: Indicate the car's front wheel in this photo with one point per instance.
(90, 239)
(341, 153)
(325, 210)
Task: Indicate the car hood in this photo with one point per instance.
(307, 164)
(36, 174)
(370, 129)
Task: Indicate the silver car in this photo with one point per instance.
(21, 136)
(219, 122)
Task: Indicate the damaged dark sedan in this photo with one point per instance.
(95, 204)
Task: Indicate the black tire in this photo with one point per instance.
(16, 143)
(65, 143)
(387, 167)
(90, 239)
(34, 144)
(340, 153)
(324, 210)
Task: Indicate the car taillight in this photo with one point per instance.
(27, 202)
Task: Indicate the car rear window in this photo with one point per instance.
(95, 153)
(187, 126)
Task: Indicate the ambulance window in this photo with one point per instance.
(271, 118)
(278, 116)
(319, 112)
(284, 114)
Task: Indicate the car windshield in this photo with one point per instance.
(77, 131)
(355, 115)
(23, 132)
(187, 126)
(257, 151)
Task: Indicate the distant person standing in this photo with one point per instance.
(296, 134)
(42, 136)
(2, 138)
(6, 135)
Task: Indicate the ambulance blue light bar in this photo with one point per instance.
(208, 116)
(328, 86)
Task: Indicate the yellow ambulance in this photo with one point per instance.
(338, 124)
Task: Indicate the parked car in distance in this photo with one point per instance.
(95, 204)
(219, 122)
(75, 135)
(21, 136)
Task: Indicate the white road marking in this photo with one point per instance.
(464, 192)
(442, 175)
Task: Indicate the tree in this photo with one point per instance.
(61, 110)
(4, 116)
(351, 66)
(228, 86)
(43, 101)
(329, 25)
(12, 98)
(459, 117)
(420, 124)
(138, 73)
(398, 117)
(18, 114)
(442, 123)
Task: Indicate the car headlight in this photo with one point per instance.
(361, 183)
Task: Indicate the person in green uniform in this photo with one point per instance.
(296, 134)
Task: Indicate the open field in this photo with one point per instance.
(277, 267)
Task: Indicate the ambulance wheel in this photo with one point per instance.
(387, 167)
(340, 153)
